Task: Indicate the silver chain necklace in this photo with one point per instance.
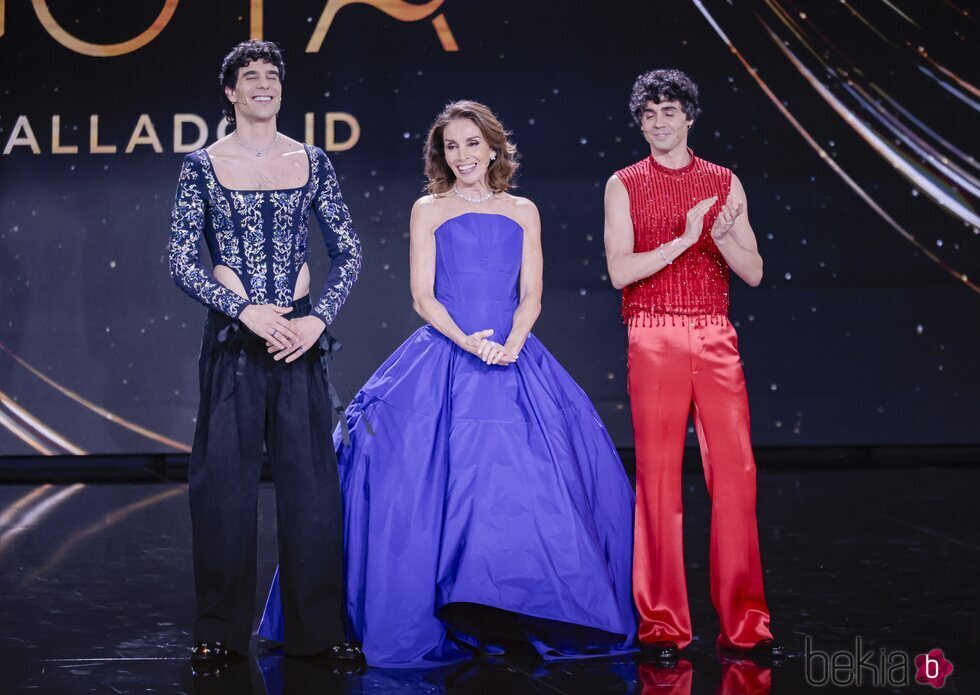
(475, 201)
(259, 151)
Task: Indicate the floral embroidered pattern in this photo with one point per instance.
(248, 206)
(229, 243)
(344, 246)
(284, 207)
(188, 222)
(244, 230)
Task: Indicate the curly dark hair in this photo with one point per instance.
(665, 85)
(501, 172)
(240, 56)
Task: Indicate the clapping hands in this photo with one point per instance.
(726, 219)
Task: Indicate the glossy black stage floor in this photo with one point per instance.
(865, 566)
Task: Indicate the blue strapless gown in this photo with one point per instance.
(490, 501)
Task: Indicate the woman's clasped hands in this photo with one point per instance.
(489, 351)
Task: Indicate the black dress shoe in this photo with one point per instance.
(767, 649)
(213, 653)
(344, 652)
(664, 651)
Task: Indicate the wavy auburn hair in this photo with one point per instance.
(501, 170)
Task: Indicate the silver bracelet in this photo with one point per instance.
(664, 255)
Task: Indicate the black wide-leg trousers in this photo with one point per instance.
(249, 404)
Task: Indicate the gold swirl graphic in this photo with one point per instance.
(399, 9)
(99, 50)
(24, 436)
(947, 201)
(36, 428)
(84, 402)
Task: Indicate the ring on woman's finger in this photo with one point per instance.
(300, 349)
(274, 332)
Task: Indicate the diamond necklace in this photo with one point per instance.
(259, 151)
(475, 201)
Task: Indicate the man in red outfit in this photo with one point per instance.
(675, 227)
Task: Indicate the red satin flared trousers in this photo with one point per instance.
(681, 366)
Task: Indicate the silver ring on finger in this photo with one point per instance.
(274, 332)
(300, 349)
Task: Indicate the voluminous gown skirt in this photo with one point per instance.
(483, 504)
(481, 486)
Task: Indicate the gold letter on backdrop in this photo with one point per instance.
(355, 131)
(15, 139)
(202, 132)
(399, 9)
(308, 128)
(255, 19)
(93, 138)
(445, 34)
(56, 146)
(222, 129)
(137, 138)
(102, 50)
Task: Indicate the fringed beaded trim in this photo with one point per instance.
(648, 319)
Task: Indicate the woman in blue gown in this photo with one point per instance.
(484, 501)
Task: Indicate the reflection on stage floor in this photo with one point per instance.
(97, 594)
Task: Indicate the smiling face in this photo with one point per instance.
(257, 93)
(665, 125)
(466, 150)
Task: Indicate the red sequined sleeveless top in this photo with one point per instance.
(696, 283)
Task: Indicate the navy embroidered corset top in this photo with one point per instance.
(261, 235)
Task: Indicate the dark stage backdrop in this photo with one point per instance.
(852, 126)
